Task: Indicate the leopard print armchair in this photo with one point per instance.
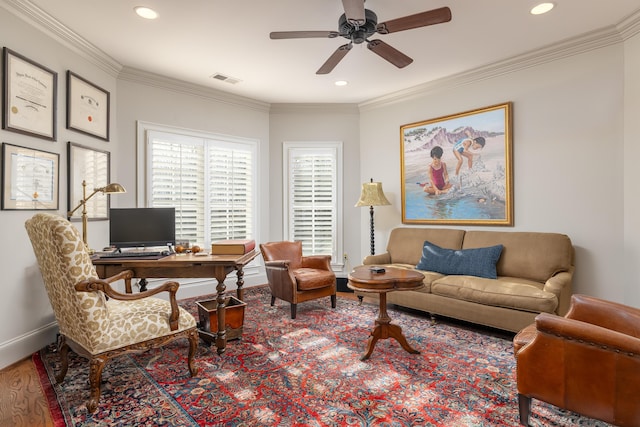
(96, 321)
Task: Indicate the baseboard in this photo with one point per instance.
(18, 348)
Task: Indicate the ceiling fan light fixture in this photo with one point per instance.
(542, 8)
(341, 83)
(145, 12)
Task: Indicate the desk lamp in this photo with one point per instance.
(372, 195)
(107, 189)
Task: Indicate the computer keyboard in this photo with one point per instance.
(131, 254)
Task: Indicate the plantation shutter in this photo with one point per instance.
(209, 182)
(312, 198)
(231, 192)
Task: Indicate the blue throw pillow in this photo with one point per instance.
(479, 262)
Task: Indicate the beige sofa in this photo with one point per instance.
(534, 275)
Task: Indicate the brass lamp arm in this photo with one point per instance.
(84, 201)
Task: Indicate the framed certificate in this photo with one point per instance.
(29, 178)
(30, 92)
(87, 107)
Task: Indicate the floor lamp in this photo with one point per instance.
(107, 189)
(372, 195)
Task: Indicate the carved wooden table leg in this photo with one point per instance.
(384, 329)
(240, 283)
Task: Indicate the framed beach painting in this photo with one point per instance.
(458, 169)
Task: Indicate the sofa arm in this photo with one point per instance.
(384, 258)
(560, 285)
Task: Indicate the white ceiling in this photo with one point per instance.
(191, 40)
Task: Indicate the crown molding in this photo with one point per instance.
(630, 26)
(311, 108)
(39, 19)
(570, 47)
(168, 83)
(607, 36)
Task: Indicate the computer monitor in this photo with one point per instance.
(142, 227)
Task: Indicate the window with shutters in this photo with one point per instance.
(312, 197)
(210, 180)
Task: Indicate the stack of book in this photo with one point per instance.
(232, 247)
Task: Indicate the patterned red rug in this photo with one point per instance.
(307, 372)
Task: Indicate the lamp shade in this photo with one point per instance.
(114, 187)
(372, 195)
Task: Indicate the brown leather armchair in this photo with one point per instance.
(586, 362)
(295, 278)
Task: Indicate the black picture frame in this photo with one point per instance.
(30, 97)
(30, 178)
(88, 107)
(92, 166)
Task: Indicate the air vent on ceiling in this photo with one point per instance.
(223, 78)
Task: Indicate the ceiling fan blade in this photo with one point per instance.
(431, 17)
(354, 11)
(389, 53)
(334, 59)
(278, 35)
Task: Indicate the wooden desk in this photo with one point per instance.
(185, 266)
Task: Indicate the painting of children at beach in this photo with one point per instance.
(458, 169)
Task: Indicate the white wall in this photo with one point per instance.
(568, 145)
(299, 123)
(631, 181)
(25, 313)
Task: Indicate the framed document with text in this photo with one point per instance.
(30, 92)
(29, 178)
(87, 107)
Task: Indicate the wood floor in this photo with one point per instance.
(22, 400)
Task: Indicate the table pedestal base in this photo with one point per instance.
(384, 329)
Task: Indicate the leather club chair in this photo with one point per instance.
(95, 321)
(295, 278)
(587, 362)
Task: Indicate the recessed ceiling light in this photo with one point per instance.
(341, 83)
(145, 12)
(542, 8)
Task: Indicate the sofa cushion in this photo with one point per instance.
(405, 243)
(479, 262)
(531, 255)
(514, 293)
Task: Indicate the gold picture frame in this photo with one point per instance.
(30, 178)
(468, 179)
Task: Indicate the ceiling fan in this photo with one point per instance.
(357, 24)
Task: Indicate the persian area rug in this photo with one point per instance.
(307, 372)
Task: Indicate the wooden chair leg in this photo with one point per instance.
(524, 405)
(333, 301)
(293, 310)
(63, 351)
(193, 346)
(96, 364)
(273, 300)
